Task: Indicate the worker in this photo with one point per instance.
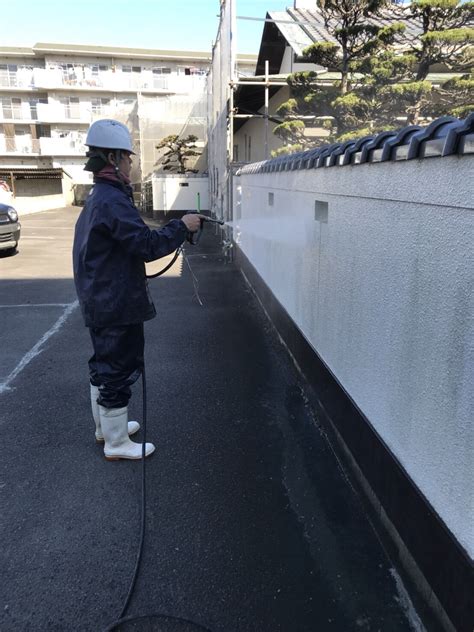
(111, 245)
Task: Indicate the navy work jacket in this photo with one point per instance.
(111, 244)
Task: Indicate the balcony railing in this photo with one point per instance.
(20, 79)
(44, 146)
(62, 146)
(10, 113)
(57, 112)
(48, 78)
(19, 145)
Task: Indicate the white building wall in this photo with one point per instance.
(74, 167)
(288, 65)
(382, 288)
(253, 150)
(180, 193)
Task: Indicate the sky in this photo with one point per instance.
(161, 24)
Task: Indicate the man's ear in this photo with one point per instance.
(111, 158)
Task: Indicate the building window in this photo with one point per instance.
(191, 70)
(100, 105)
(33, 106)
(92, 74)
(43, 131)
(135, 69)
(69, 74)
(160, 77)
(11, 107)
(96, 68)
(23, 141)
(71, 107)
(8, 75)
(133, 74)
(235, 154)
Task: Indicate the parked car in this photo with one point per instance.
(9, 228)
(6, 195)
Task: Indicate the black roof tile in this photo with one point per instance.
(442, 137)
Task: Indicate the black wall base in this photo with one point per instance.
(439, 559)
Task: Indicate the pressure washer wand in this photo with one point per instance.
(193, 238)
(212, 220)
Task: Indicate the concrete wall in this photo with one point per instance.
(28, 205)
(374, 263)
(179, 193)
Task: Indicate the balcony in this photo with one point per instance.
(25, 145)
(50, 79)
(184, 84)
(58, 113)
(13, 114)
(62, 146)
(19, 145)
(20, 80)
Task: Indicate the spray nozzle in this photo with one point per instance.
(212, 220)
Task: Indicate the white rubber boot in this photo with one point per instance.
(117, 442)
(133, 426)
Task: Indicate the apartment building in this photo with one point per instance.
(50, 94)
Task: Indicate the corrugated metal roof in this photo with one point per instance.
(20, 173)
(309, 26)
(296, 37)
(443, 137)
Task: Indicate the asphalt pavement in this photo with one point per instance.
(252, 525)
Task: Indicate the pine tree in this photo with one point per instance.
(356, 40)
(179, 151)
(383, 71)
(447, 40)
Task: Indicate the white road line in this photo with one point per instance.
(39, 305)
(37, 349)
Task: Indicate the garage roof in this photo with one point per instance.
(20, 173)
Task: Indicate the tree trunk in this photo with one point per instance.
(414, 114)
(423, 70)
(344, 82)
(344, 67)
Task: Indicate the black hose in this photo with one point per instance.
(167, 267)
(163, 617)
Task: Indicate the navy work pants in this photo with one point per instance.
(117, 362)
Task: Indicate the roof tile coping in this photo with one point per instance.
(444, 136)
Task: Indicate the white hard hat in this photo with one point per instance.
(109, 134)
